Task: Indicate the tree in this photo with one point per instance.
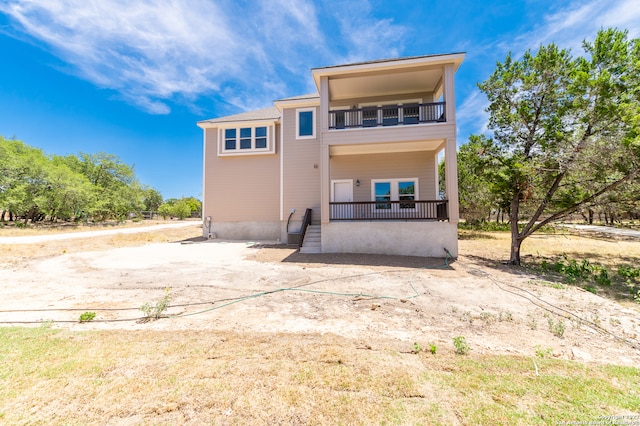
(152, 199)
(566, 131)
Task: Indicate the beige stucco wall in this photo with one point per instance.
(301, 165)
(427, 239)
(244, 188)
(419, 164)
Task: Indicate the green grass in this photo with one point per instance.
(60, 377)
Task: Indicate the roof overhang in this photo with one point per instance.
(378, 78)
(385, 148)
(297, 102)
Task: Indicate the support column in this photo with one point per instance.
(324, 150)
(451, 179)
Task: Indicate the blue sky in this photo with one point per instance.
(132, 78)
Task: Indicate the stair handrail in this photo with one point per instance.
(306, 221)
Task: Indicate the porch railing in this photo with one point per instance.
(387, 115)
(390, 210)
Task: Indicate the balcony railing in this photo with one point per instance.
(390, 210)
(387, 115)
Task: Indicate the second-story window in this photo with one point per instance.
(305, 123)
(238, 140)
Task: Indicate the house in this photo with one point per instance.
(361, 153)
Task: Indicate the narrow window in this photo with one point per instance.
(261, 137)
(407, 194)
(383, 193)
(230, 139)
(305, 123)
(245, 138)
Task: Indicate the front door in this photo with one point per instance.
(342, 192)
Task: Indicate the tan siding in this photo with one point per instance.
(386, 166)
(301, 168)
(382, 100)
(416, 132)
(242, 188)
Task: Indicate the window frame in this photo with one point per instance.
(253, 138)
(395, 193)
(313, 112)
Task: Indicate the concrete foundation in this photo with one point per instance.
(265, 231)
(427, 239)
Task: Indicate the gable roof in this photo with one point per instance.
(265, 114)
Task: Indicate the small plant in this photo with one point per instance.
(591, 289)
(556, 327)
(417, 348)
(154, 312)
(432, 349)
(636, 296)
(87, 316)
(505, 316)
(543, 352)
(460, 343)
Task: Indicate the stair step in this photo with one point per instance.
(310, 250)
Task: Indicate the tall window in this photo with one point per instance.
(246, 140)
(229, 139)
(386, 190)
(305, 123)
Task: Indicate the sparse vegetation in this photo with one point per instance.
(543, 352)
(156, 311)
(557, 328)
(460, 343)
(87, 316)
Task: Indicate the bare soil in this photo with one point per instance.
(254, 287)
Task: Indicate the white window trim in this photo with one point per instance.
(313, 121)
(395, 196)
(270, 148)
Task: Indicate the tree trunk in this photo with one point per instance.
(516, 241)
(590, 217)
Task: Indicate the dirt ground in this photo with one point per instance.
(253, 287)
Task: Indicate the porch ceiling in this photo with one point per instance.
(383, 148)
(376, 84)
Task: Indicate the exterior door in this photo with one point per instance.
(342, 192)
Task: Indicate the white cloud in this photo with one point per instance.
(364, 37)
(147, 51)
(154, 52)
(578, 21)
(471, 115)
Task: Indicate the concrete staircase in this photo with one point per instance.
(312, 240)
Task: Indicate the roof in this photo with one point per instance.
(381, 61)
(265, 114)
(300, 97)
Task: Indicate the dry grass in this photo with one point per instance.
(195, 377)
(61, 377)
(18, 252)
(496, 246)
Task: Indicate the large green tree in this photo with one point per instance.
(566, 130)
(34, 186)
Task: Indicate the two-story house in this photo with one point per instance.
(361, 153)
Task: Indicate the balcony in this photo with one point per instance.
(387, 115)
(390, 210)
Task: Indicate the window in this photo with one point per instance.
(261, 137)
(246, 140)
(386, 190)
(229, 139)
(305, 123)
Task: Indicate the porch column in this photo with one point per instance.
(451, 179)
(449, 93)
(324, 150)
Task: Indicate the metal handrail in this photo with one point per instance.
(389, 210)
(306, 221)
(387, 115)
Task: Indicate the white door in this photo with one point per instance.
(342, 191)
